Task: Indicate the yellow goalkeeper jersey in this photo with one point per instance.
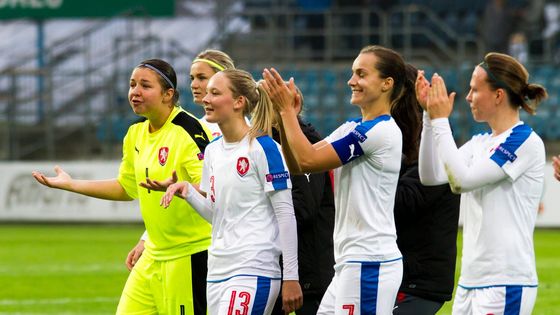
(179, 145)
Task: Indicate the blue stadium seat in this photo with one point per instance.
(311, 101)
(329, 80)
(330, 122)
(329, 100)
(552, 131)
(542, 75)
(112, 129)
(469, 23)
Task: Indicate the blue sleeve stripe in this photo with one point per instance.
(278, 174)
(506, 151)
(348, 148)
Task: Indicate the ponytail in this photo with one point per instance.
(263, 116)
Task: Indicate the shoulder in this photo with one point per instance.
(135, 128)
(481, 136)
(522, 135)
(187, 122)
(383, 123)
(193, 127)
(265, 144)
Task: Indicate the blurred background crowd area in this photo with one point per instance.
(64, 79)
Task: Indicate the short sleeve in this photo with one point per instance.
(127, 177)
(191, 161)
(355, 142)
(518, 153)
(271, 166)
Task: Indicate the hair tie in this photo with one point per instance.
(158, 72)
(211, 63)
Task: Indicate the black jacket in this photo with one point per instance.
(314, 209)
(426, 218)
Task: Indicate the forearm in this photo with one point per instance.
(109, 189)
(199, 203)
(302, 151)
(430, 166)
(284, 210)
(462, 177)
(287, 151)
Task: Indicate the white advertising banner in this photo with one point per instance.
(22, 198)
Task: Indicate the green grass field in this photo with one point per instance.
(79, 269)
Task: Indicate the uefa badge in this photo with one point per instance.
(242, 166)
(162, 155)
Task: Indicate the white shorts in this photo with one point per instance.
(363, 288)
(499, 300)
(243, 295)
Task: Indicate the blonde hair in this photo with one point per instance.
(217, 56)
(257, 102)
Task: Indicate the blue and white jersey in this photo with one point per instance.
(499, 218)
(245, 232)
(364, 188)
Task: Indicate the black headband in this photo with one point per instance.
(499, 83)
(147, 65)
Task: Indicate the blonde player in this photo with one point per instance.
(248, 200)
(500, 175)
(169, 278)
(365, 154)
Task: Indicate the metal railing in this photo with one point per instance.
(85, 80)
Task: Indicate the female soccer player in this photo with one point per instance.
(204, 66)
(365, 154)
(500, 175)
(170, 277)
(426, 218)
(248, 201)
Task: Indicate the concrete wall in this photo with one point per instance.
(22, 198)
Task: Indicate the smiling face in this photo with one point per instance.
(145, 93)
(366, 83)
(481, 97)
(219, 102)
(200, 73)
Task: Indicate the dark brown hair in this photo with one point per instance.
(504, 71)
(167, 70)
(404, 106)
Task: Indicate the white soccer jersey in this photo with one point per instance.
(245, 232)
(499, 218)
(365, 187)
(213, 127)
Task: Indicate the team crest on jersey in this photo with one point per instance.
(162, 155)
(242, 166)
